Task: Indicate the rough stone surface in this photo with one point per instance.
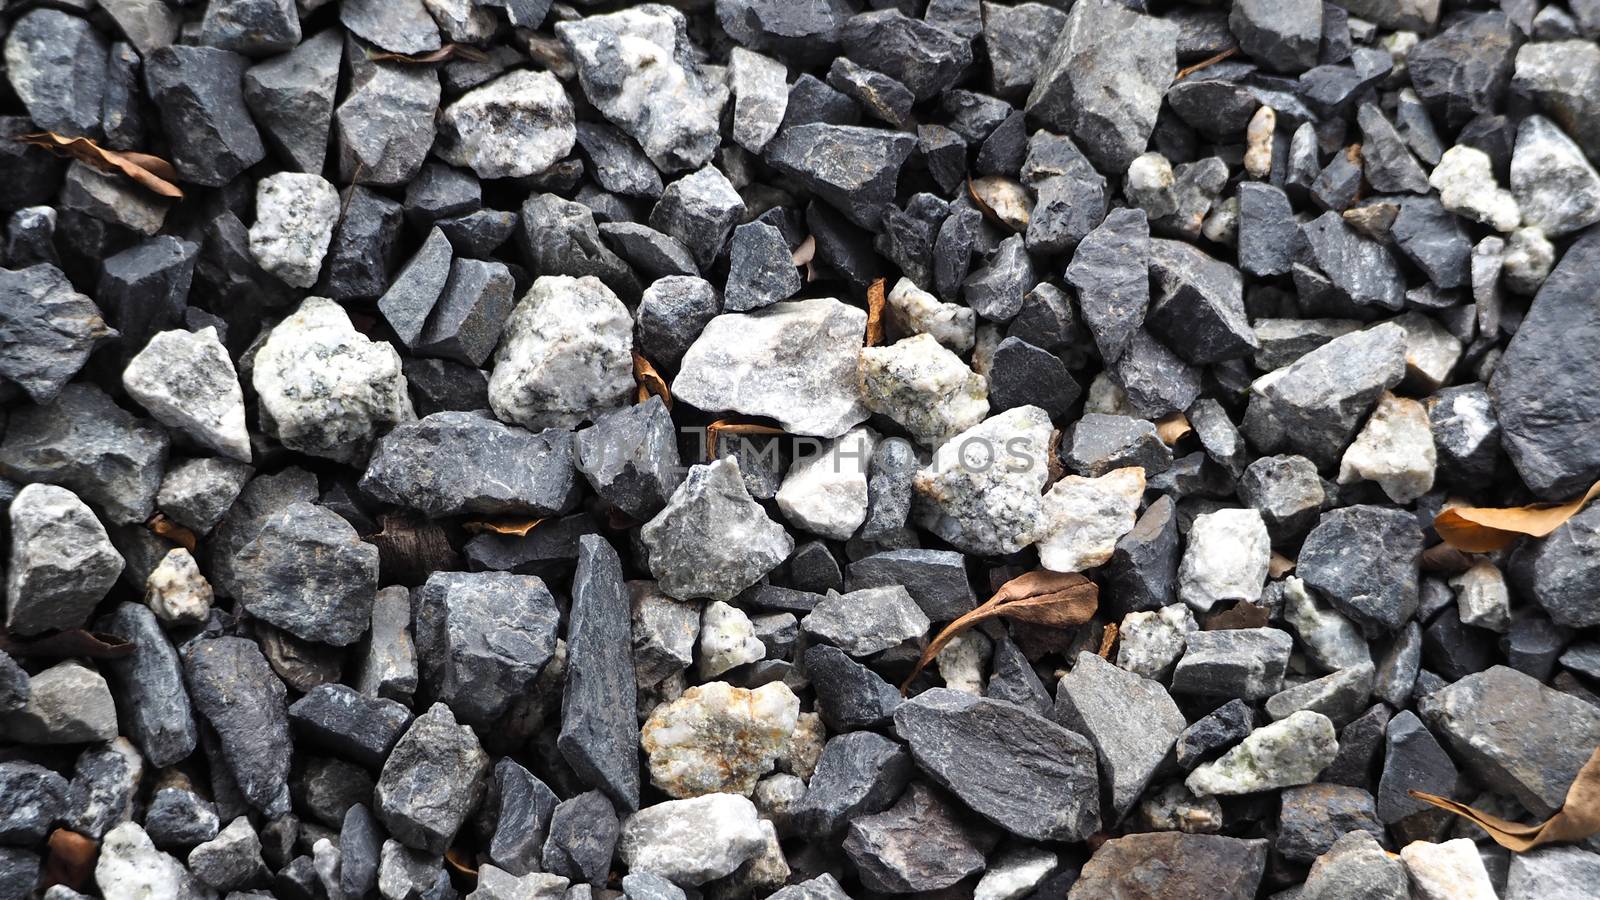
(565, 355)
(712, 539)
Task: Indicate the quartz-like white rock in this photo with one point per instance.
(1482, 597)
(462, 21)
(324, 389)
(760, 87)
(131, 868)
(1527, 262)
(692, 841)
(1395, 449)
(913, 310)
(1289, 752)
(1015, 873)
(1258, 142)
(982, 491)
(727, 639)
(1226, 558)
(517, 125)
(1431, 351)
(1465, 181)
(718, 738)
(1150, 185)
(295, 215)
(713, 539)
(826, 493)
(326, 863)
(924, 387)
(1331, 641)
(187, 381)
(566, 355)
(963, 661)
(1150, 642)
(1555, 185)
(1083, 518)
(1452, 870)
(61, 561)
(794, 361)
(176, 591)
(495, 883)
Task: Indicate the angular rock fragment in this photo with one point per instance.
(519, 124)
(452, 463)
(1130, 721)
(1364, 559)
(919, 844)
(1083, 518)
(1235, 662)
(385, 125)
(692, 841)
(717, 738)
(583, 837)
(981, 493)
(56, 65)
(1173, 864)
(431, 781)
(308, 572)
(712, 540)
(1284, 754)
(235, 691)
(291, 97)
(599, 729)
(565, 355)
(187, 381)
(199, 92)
(47, 330)
(1226, 559)
(61, 564)
(866, 621)
(155, 704)
(924, 387)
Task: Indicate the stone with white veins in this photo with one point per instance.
(325, 389)
(61, 563)
(384, 127)
(1395, 449)
(693, 841)
(924, 387)
(727, 640)
(482, 638)
(1331, 641)
(1482, 597)
(295, 216)
(1110, 270)
(1226, 558)
(915, 311)
(176, 591)
(1466, 184)
(717, 738)
(187, 381)
(452, 463)
(1553, 873)
(519, 124)
(760, 97)
(1286, 753)
(1083, 518)
(868, 620)
(308, 572)
(713, 539)
(1131, 721)
(431, 781)
(1104, 79)
(982, 491)
(794, 361)
(826, 493)
(1016, 872)
(565, 355)
(56, 65)
(1150, 642)
(131, 868)
(1556, 187)
(637, 66)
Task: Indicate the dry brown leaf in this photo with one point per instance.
(1108, 639)
(443, 54)
(1578, 817)
(1478, 529)
(460, 862)
(1243, 615)
(1204, 64)
(1004, 201)
(875, 301)
(1053, 599)
(152, 172)
(1279, 565)
(650, 381)
(1173, 427)
(67, 644)
(172, 531)
(71, 859)
(717, 429)
(514, 527)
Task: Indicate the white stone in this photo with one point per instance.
(517, 125)
(131, 868)
(982, 491)
(1452, 870)
(1107, 398)
(717, 738)
(913, 310)
(1083, 518)
(1395, 449)
(826, 493)
(1150, 185)
(497, 884)
(1015, 873)
(1482, 597)
(1431, 351)
(760, 97)
(68, 703)
(1226, 558)
(61, 562)
(1286, 753)
(323, 388)
(924, 387)
(187, 381)
(1150, 642)
(1174, 808)
(1527, 262)
(727, 639)
(295, 216)
(794, 361)
(176, 591)
(691, 842)
(1465, 181)
(1331, 641)
(566, 355)
(1556, 187)
(963, 661)
(326, 861)
(1258, 142)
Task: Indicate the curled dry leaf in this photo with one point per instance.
(1173, 427)
(875, 301)
(153, 172)
(71, 860)
(514, 527)
(460, 862)
(1204, 64)
(1051, 599)
(1477, 529)
(717, 429)
(172, 531)
(67, 644)
(1003, 200)
(650, 381)
(1578, 817)
(1279, 566)
(443, 54)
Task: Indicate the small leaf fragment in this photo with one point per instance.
(516, 527)
(875, 301)
(717, 429)
(172, 531)
(1004, 201)
(443, 54)
(650, 381)
(152, 172)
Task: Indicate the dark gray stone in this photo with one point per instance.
(617, 162)
(1360, 270)
(1173, 864)
(522, 818)
(882, 97)
(1021, 374)
(360, 728)
(360, 846)
(154, 705)
(385, 125)
(1267, 229)
(652, 253)
(1213, 733)
(893, 463)
(1143, 571)
(859, 773)
(145, 288)
(630, 458)
(1072, 196)
(199, 92)
(364, 245)
(1365, 559)
(291, 97)
(32, 799)
(1109, 271)
(56, 65)
(235, 692)
(263, 498)
(924, 57)
(671, 314)
(1466, 433)
(415, 291)
(599, 729)
(761, 268)
(850, 696)
(1101, 443)
(47, 329)
(1236, 662)
(1130, 721)
(1314, 816)
(1434, 239)
(431, 782)
(1412, 761)
(1199, 306)
(854, 169)
(308, 572)
(1283, 36)
(1463, 71)
(1155, 379)
(922, 843)
(583, 838)
(13, 684)
(470, 312)
(482, 638)
(179, 818)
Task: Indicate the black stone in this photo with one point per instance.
(599, 729)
